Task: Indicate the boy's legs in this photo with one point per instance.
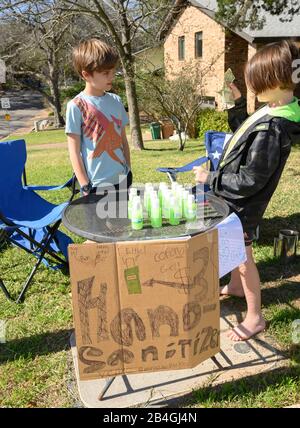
(254, 322)
(234, 288)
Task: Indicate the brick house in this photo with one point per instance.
(193, 34)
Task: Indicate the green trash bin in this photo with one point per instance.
(155, 130)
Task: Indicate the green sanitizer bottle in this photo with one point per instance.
(132, 195)
(162, 187)
(191, 213)
(185, 195)
(174, 213)
(156, 220)
(147, 197)
(137, 221)
(179, 192)
(166, 203)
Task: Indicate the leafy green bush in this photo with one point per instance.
(119, 89)
(71, 91)
(209, 119)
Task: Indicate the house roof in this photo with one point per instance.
(273, 27)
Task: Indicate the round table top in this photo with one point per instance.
(87, 217)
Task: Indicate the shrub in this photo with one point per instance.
(210, 119)
(71, 91)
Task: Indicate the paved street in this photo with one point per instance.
(25, 107)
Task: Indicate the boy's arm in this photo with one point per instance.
(76, 159)
(126, 148)
(262, 160)
(237, 114)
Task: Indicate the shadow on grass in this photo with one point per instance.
(170, 149)
(273, 269)
(280, 387)
(35, 345)
(285, 293)
(270, 227)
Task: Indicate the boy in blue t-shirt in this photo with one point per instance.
(96, 120)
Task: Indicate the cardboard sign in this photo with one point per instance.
(145, 306)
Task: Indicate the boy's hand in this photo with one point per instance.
(201, 174)
(236, 93)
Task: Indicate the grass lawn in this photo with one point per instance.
(36, 369)
(54, 136)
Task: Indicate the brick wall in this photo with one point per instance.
(191, 21)
(221, 47)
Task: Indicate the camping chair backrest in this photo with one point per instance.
(214, 143)
(12, 164)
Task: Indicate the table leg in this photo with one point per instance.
(110, 381)
(106, 387)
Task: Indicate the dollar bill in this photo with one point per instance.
(229, 77)
(226, 94)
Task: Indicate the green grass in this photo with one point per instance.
(43, 137)
(35, 366)
(279, 388)
(54, 136)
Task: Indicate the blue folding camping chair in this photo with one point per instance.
(214, 143)
(26, 219)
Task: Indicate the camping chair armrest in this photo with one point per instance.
(190, 166)
(69, 184)
(172, 172)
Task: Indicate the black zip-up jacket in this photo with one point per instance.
(249, 175)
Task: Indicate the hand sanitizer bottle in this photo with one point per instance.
(166, 203)
(132, 194)
(185, 195)
(162, 187)
(156, 220)
(174, 218)
(147, 193)
(191, 208)
(137, 222)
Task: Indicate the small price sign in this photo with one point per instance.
(5, 103)
(2, 71)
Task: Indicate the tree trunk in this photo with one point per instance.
(134, 117)
(56, 105)
(55, 95)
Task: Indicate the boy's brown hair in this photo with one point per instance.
(94, 55)
(272, 66)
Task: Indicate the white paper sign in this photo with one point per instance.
(5, 103)
(2, 71)
(232, 250)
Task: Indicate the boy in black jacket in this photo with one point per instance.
(253, 161)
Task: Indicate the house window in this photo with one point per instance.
(181, 48)
(198, 44)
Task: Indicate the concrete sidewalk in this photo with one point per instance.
(162, 389)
